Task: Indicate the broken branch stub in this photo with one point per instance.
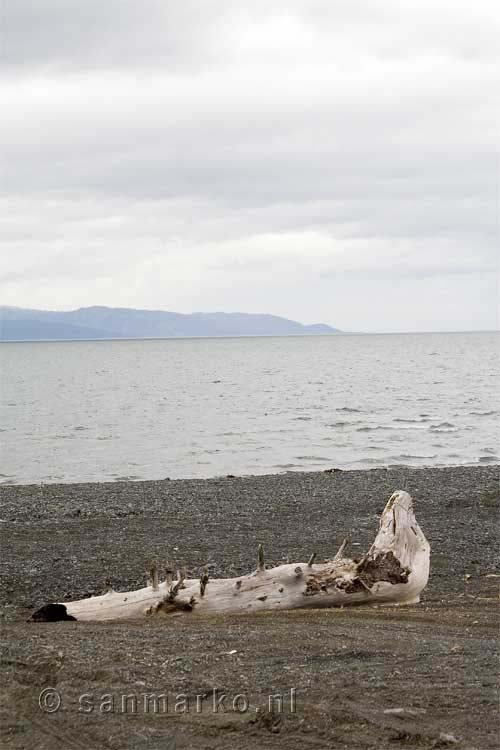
(394, 571)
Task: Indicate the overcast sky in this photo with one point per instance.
(324, 160)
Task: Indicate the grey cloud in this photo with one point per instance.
(193, 34)
(226, 140)
(57, 33)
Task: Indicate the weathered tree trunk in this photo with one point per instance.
(393, 571)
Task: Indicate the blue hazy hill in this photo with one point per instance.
(19, 324)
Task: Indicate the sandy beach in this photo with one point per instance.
(417, 677)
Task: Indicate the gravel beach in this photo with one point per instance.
(416, 677)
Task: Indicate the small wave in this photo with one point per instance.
(444, 427)
(488, 459)
(349, 409)
(302, 419)
(338, 424)
(491, 413)
(411, 457)
(262, 431)
(312, 458)
(286, 466)
(413, 426)
(408, 420)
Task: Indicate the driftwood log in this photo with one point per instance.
(393, 571)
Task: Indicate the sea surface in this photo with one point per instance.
(122, 410)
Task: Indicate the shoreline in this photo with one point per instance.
(365, 677)
(487, 464)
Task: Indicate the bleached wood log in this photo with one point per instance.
(394, 571)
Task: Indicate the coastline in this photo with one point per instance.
(349, 666)
(488, 462)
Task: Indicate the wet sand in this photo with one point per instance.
(416, 677)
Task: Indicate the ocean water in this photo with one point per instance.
(116, 410)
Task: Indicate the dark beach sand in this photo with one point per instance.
(435, 661)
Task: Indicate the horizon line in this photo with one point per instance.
(246, 336)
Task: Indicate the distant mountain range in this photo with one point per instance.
(19, 324)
